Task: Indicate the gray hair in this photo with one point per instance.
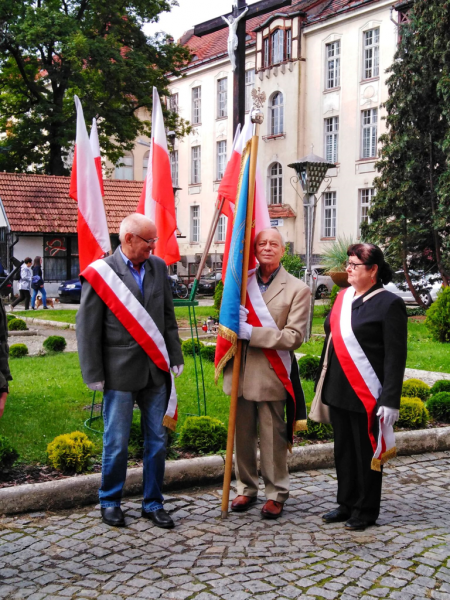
(283, 242)
(131, 223)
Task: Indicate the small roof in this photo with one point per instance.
(41, 203)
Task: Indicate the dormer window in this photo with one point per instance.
(277, 47)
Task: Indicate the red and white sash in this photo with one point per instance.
(280, 360)
(136, 320)
(360, 375)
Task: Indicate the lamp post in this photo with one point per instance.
(311, 171)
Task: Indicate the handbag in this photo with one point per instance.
(320, 412)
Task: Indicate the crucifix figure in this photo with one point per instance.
(233, 41)
(236, 44)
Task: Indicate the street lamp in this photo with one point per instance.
(311, 171)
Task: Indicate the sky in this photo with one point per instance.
(189, 13)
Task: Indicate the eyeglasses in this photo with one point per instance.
(353, 265)
(150, 241)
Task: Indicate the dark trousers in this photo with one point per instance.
(23, 297)
(359, 488)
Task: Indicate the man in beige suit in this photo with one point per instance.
(262, 396)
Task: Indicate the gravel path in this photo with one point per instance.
(34, 342)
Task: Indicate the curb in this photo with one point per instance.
(48, 323)
(83, 489)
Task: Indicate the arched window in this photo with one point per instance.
(277, 114)
(125, 167)
(145, 164)
(275, 184)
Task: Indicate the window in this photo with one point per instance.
(174, 167)
(221, 159)
(196, 105)
(288, 44)
(329, 215)
(333, 66)
(61, 261)
(125, 167)
(195, 224)
(369, 133)
(331, 139)
(276, 184)
(365, 200)
(277, 114)
(371, 66)
(145, 164)
(222, 98)
(221, 231)
(266, 52)
(249, 84)
(277, 46)
(173, 103)
(196, 164)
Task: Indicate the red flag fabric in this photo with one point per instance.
(157, 200)
(92, 228)
(93, 138)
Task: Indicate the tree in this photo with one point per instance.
(292, 262)
(53, 49)
(409, 214)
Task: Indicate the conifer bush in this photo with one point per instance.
(18, 350)
(318, 431)
(203, 434)
(70, 452)
(439, 406)
(55, 343)
(415, 388)
(308, 367)
(8, 454)
(413, 413)
(438, 317)
(10, 317)
(218, 292)
(17, 325)
(208, 353)
(442, 385)
(188, 347)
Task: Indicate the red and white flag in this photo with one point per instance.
(93, 138)
(157, 200)
(92, 228)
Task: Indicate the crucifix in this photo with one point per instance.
(236, 44)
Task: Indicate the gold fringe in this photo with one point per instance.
(300, 425)
(230, 336)
(377, 462)
(169, 422)
(289, 447)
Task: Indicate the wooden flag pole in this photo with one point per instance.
(238, 355)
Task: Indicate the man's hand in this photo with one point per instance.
(3, 397)
(97, 386)
(245, 330)
(177, 370)
(389, 415)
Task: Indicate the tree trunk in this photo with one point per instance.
(412, 289)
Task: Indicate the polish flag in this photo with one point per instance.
(93, 138)
(157, 200)
(92, 228)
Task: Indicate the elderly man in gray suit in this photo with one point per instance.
(114, 355)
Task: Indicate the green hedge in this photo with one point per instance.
(55, 343)
(439, 406)
(17, 325)
(413, 413)
(208, 353)
(18, 350)
(203, 434)
(308, 367)
(70, 452)
(438, 317)
(414, 388)
(442, 385)
(188, 347)
(8, 454)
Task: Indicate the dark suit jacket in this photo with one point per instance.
(380, 326)
(107, 351)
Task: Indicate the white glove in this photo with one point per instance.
(97, 386)
(389, 415)
(177, 370)
(245, 330)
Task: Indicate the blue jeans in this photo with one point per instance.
(117, 417)
(43, 294)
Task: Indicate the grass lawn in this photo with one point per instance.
(63, 315)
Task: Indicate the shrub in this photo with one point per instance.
(218, 295)
(17, 325)
(188, 347)
(443, 385)
(136, 441)
(55, 343)
(208, 352)
(70, 452)
(203, 434)
(8, 454)
(438, 317)
(10, 317)
(18, 350)
(439, 406)
(291, 262)
(416, 311)
(331, 300)
(308, 367)
(414, 388)
(413, 413)
(318, 431)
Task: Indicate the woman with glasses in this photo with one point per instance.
(365, 347)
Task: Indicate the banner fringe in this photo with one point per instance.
(230, 336)
(378, 462)
(169, 422)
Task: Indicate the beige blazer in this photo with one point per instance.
(288, 301)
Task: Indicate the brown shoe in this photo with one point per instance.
(272, 509)
(242, 503)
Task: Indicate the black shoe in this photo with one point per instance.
(113, 515)
(160, 518)
(45, 307)
(335, 516)
(357, 524)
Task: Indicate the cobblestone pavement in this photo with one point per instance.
(73, 555)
